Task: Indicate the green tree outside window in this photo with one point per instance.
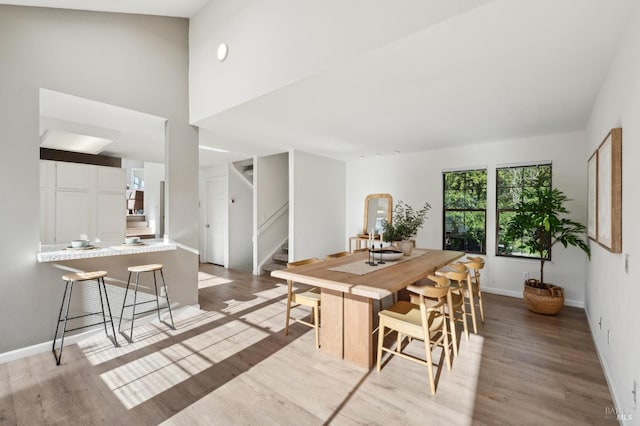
(516, 185)
(465, 210)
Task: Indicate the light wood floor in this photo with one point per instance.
(230, 363)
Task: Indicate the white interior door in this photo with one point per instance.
(216, 219)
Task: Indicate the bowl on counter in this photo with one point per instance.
(132, 240)
(79, 243)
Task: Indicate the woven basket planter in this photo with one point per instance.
(543, 298)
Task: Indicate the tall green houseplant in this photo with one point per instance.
(539, 224)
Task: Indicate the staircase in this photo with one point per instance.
(279, 260)
(245, 168)
(137, 226)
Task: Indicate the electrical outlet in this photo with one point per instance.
(525, 275)
(608, 337)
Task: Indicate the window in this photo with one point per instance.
(465, 211)
(512, 184)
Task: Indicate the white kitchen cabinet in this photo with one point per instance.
(72, 216)
(111, 218)
(73, 176)
(111, 179)
(81, 199)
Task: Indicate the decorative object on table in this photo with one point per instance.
(371, 260)
(388, 253)
(381, 261)
(536, 226)
(406, 223)
(604, 203)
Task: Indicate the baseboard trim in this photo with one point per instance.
(518, 295)
(75, 338)
(604, 365)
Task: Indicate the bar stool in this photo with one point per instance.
(138, 270)
(70, 279)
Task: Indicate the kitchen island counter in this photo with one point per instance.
(60, 252)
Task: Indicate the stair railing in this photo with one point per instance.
(273, 218)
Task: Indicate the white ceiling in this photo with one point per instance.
(178, 8)
(508, 69)
(136, 135)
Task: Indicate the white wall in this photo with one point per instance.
(153, 175)
(129, 164)
(271, 214)
(275, 43)
(240, 224)
(316, 205)
(612, 294)
(417, 177)
(272, 185)
(134, 61)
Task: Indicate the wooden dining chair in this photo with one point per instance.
(339, 254)
(459, 273)
(456, 309)
(453, 307)
(475, 264)
(310, 298)
(421, 321)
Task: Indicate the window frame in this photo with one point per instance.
(498, 209)
(445, 209)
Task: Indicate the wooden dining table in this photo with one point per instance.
(346, 324)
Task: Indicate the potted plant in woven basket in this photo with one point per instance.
(538, 224)
(405, 225)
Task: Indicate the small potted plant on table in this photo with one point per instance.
(539, 225)
(405, 225)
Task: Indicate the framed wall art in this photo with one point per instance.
(604, 198)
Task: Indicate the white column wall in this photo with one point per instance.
(417, 177)
(612, 294)
(271, 193)
(90, 55)
(154, 173)
(240, 222)
(316, 205)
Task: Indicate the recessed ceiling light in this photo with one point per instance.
(397, 152)
(74, 142)
(210, 148)
(223, 51)
(378, 155)
(361, 157)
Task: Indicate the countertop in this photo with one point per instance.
(60, 252)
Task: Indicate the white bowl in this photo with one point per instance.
(388, 254)
(79, 243)
(132, 240)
